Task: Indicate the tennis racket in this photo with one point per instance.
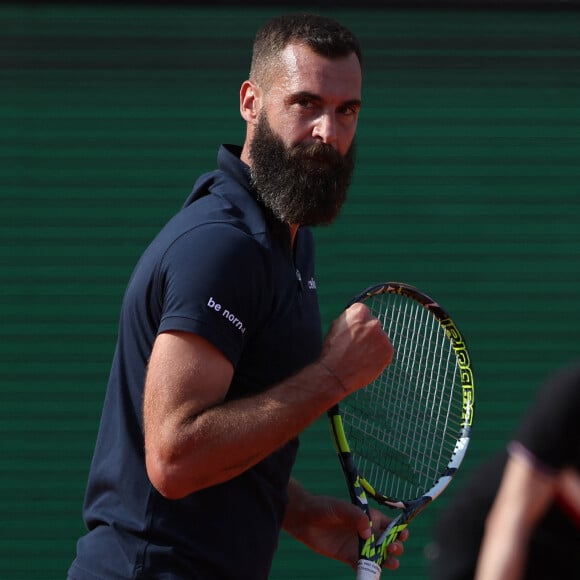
(401, 439)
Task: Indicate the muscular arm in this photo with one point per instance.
(193, 439)
(524, 496)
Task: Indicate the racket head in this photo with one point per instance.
(404, 435)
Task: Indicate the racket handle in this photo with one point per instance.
(367, 570)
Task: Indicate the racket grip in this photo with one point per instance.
(367, 570)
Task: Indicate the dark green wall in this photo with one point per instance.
(467, 186)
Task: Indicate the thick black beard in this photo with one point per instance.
(303, 184)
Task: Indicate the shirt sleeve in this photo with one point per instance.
(216, 282)
(550, 432)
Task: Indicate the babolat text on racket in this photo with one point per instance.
(402, 438)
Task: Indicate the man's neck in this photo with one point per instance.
(293, 232)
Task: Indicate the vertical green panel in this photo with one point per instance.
(466, 185)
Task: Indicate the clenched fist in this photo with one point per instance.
(356, 349)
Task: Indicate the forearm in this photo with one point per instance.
(523, 497)
(298, 506)
(503, 553)
(226, 439)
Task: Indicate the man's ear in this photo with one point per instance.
(250, 101)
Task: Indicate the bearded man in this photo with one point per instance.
(220, 361)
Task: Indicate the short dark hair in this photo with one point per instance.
(325, 36)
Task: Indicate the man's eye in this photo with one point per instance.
(349, 110)
(305, 103)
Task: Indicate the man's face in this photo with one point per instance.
(302, 147)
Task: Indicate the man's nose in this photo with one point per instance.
(325, 129)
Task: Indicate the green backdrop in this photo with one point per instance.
(467, 186)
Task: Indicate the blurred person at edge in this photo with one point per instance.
(518, 516)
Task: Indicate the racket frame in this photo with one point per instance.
(373, 551)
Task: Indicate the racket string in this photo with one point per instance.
(404, 426)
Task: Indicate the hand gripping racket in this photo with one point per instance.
(401, 439)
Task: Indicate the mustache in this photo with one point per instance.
(315, 151)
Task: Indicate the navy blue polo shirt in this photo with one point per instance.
(221, 268)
